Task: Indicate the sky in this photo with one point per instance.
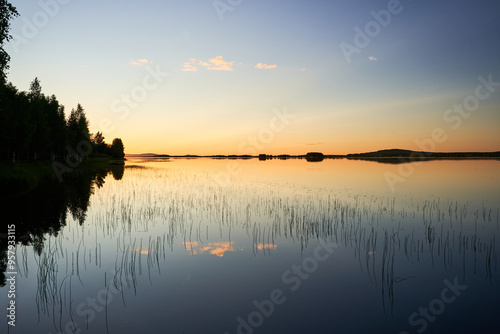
(269, 76)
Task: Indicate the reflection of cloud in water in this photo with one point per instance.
(266, 246)
(214, 248)
(140, 250)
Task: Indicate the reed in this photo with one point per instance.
(154, 212)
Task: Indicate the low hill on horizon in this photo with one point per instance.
(386, 153)
(400, 153)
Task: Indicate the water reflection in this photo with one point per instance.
(266, 246)
(214, 248)
(43, 212)
(407, 160)
(141, 233)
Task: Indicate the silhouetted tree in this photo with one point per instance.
(314, 156)
(57, 127)
(100, 145)
(72, 128)
(7, 13)
(16, 123)
(83, 123)
(117, 149)
(32, 125)
(41, 140)
(98, 139)
(35, 90)
(78, 127)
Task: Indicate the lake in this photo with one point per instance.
(249, 246)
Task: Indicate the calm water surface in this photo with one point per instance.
(248, 246)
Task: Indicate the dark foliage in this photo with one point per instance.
(33, 126)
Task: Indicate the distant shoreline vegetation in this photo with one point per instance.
(383, 156)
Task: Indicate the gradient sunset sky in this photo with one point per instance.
(231, 68)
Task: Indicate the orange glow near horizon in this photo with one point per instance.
(330, 150)
(357, 129)
(342, 128)
(362, 144)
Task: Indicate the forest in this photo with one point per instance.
(34, 126)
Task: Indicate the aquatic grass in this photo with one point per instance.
(154, 212)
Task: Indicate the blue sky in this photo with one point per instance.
(393, 93)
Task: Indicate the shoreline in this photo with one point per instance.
(381, 154)
(20, 178)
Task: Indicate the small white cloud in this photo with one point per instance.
(214, 64)
(205, 64)
(219, 64)
(140, 62)
(188, 66)
(372, 58)
(261, 66)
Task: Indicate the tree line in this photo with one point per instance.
(34, 126)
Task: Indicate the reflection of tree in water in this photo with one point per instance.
(117, 173)
(44, 210)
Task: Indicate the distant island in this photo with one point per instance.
(383, 156)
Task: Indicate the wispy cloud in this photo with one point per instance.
(202, 63)
(188, 66)
(314, 144)
(140, 62)
(218, 64)
(303, 69)
(214, 64)
(262, 66)
(372, 58)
